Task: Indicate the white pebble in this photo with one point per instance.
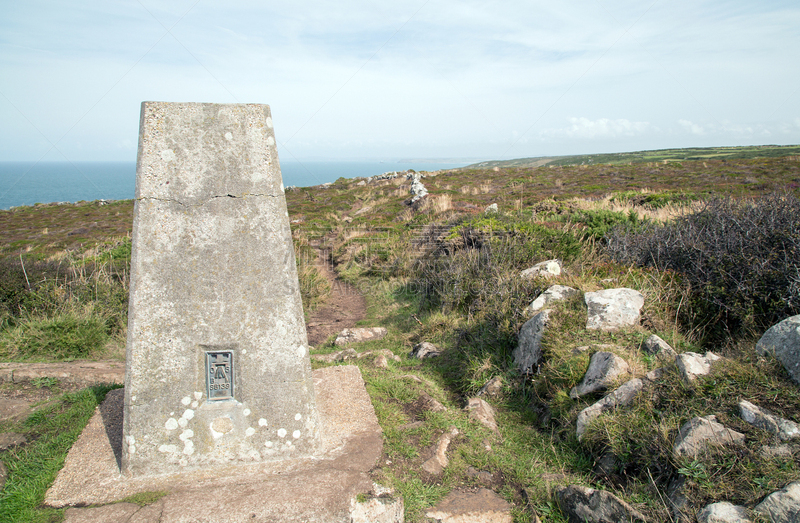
(296, 434)
(188, 414)
(186, 400)
(262, 422)
(246, 412)
(282, 433)
(297, 417)
(250, 431)
(171, 424)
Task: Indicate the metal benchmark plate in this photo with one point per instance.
(219, 375)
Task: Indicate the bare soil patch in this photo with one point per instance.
(344, 307)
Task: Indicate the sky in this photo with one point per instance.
(375, 79)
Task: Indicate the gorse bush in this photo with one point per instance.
(741, 260)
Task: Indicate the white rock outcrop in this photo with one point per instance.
(691, 365)
(546, 269)
(764, 419)
(723, 512)
(552, 294)
(782, 341)
(613, 309)
(698, 433)
(604, 369)
(528, 353)
(782, 506)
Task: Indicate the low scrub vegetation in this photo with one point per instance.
(740, 258)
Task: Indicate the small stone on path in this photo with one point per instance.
(359, 335)
(10, 440)
(425, 350)
(493, 387)
(481, 412)
(436, 464)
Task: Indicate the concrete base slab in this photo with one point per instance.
(321, 488)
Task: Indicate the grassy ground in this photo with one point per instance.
(32, 468)
(442, 271)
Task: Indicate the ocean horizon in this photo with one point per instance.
(28, 183)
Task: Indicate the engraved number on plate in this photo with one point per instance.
(219, 375)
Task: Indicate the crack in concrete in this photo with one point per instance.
(172, 200)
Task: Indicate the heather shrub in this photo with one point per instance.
(740, 259)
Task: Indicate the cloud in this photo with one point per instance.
(692, 127)
(601, 128)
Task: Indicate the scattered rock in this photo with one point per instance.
(491, 388)
(427, 403)
(585, 505)
(481, 475)
(335, 357)
(613, 309)
(361, 183)
(382, 506)
(659, 348)
(528, 353)
(723, 512)
(381, 362)
(777, 451)
(10, 440)
(782, 506)
(697, 433)
(622, 396)
(425, 350)
(384, 353)
(437, 463)
(363, 210)
(676, 496)
(691, 365)
(764, 419)
(552, 294)
(604, 369)
(481, 412)
(359, 335)
(782, 341)
(3, 474)
(545, 269)
(460, 506)
(492, 209)
(606, 465)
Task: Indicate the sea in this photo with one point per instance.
(28, 183)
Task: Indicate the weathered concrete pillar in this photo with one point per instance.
(217, 369)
